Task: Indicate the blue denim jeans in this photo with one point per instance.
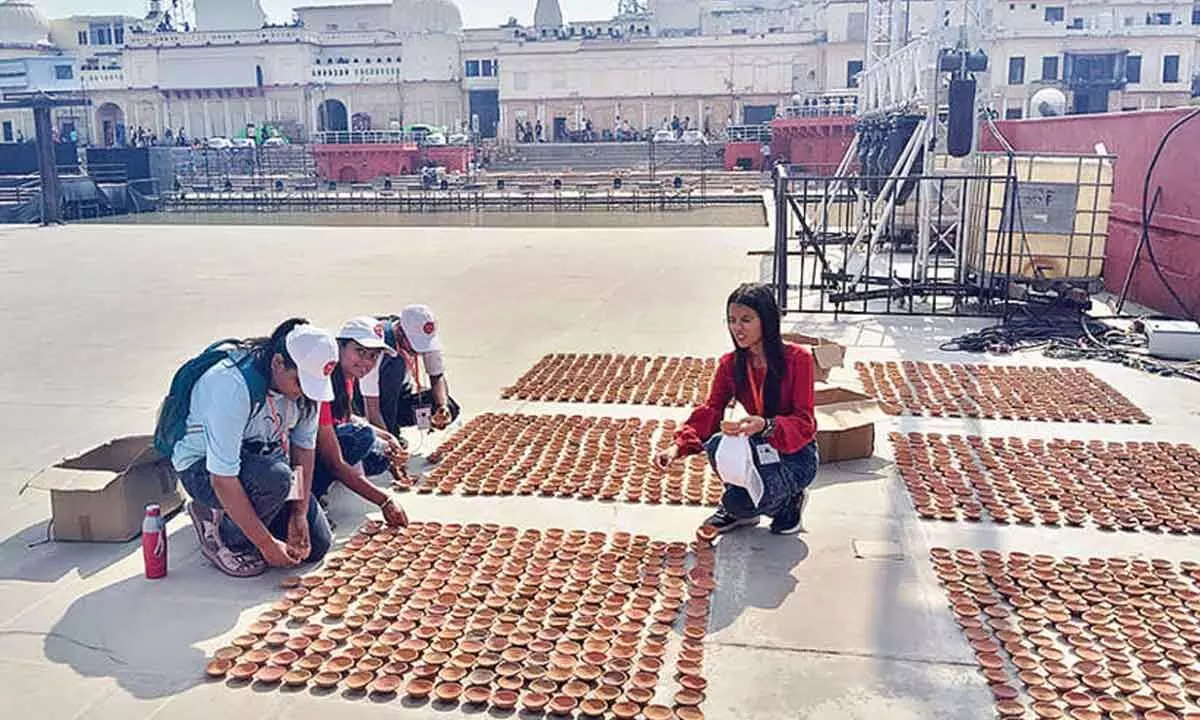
(267, 481)
(782, 481)
(359, 445)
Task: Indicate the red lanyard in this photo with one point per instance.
(283, 431)
(756, 391)
(413, 361)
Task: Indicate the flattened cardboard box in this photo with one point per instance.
(101, 495)
(845, 424)
(826, 353)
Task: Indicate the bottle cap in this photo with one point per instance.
(153, 510)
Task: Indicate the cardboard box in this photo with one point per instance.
(101, 495)
(845, 424)
(826, 353)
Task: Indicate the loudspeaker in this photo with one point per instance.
(960, 132)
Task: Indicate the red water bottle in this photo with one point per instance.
(154, 543)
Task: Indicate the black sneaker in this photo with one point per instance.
(724, 522)
(790, 521)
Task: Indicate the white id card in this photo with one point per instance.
(767, 455)
(295, 492)
(424, 414)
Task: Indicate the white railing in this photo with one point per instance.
(265, 35)
(355, 74)
(366, 137)
(103, 79)
(824, 105)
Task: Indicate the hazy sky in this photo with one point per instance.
(476, 13)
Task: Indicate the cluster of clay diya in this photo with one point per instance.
(1112, 485)
(1082, 639)
(1052, 394)
(569, 623)
(569, 456)
(623, 379)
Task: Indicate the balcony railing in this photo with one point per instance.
(356, 74)
(103, 79)
(265, 35)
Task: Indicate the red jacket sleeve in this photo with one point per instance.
(795, 430)
(706, 419)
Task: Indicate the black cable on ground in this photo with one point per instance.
(1073, 336)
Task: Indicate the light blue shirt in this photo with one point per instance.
(219, 422)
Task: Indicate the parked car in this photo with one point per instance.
(274, 142)
(664, 136)
(435, 138)
(693, 137)
(458, 139)
(242, 142)
(218, 143)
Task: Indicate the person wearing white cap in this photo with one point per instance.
(348, 450)
(393, 393)
(246, 457)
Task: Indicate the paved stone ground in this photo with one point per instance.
(96, 318)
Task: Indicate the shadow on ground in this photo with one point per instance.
(30, 556)
(754, 569)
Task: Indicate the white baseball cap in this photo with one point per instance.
(366, 331)
(420, 327)
(316, 355)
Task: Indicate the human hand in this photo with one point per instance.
(393, 514)
(752, 425)
(395, 448)
(299, 544)
(441, 418)
(278, 554)
(664, 458)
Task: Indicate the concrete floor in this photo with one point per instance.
(845, 621)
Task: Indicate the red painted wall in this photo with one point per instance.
(364, 163)
(1175, 226)
(816, 144)
(735, 151)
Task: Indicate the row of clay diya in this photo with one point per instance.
(1014, 393)
(943, 481)
(1122, 658)
(673, 381)
(497, 454)
(450, 663)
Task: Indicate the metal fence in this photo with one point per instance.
(926, 245)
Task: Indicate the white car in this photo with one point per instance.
(274, 142)
(243, 142)
(693, 137)
(458, 139)
(435, 138)
(218, 143)
(664, 136)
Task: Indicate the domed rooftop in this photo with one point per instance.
(413, 17)
(22, 24)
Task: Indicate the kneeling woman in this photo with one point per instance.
(349, 450)
(773, 382)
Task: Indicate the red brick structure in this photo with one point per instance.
(367, 162)
(1175, 226)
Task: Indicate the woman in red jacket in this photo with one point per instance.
(773, 382)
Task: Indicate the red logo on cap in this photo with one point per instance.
(429, 328)
(329, 366)
(379, 330)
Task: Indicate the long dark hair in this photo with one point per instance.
(761, 299)
(263, 349)
(343, 402)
